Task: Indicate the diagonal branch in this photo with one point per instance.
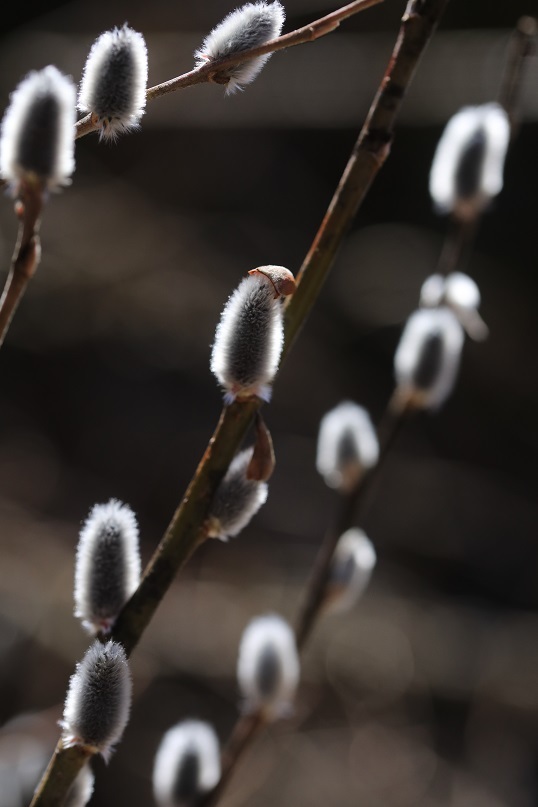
(207, 72)
(186, 528)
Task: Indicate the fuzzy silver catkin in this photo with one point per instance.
(247, 27)
(236, 500)
(249, 340)
(427, 358)
(81, 790)
(107, 568)
(351, 569)
(98, 699)
(113, 85)
(187, 764)
(37, 137)
(467, 168)
(268, 666)
(347, 445)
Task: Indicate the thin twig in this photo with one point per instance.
(352, 503)
(418, 24)
(26, 255)
(207, 72)
(186, 528)
(462, 232)
(522, 45)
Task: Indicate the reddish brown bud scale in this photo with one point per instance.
(282, 279)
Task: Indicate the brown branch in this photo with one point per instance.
(522, 45)
(208, 72)
(462, 230)
(26, 255)
(418, 25)
(370, 152)
(186, 530)
(353, 506)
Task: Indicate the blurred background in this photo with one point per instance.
(427, 692)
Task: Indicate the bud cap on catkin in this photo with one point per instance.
(37, 137)
(113, 86)
(427, 358)
(467, 168)
(268, 666)
(351, 568)
(250, 335)
(236, 500)
(247, 27)
(107, 568)
(98, 699)
(187, 764)
(347, 446)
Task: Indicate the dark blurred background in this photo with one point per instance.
(427, 693)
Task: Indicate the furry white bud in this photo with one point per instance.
(351, 568)
(467, 168)
(461, 294)
(427, 358)
(247, 27)
(37, 137)
(113, 86)
(98, 699)
(347, 446)
(236, 500)
(250, 336)
(268, 666)
(187, 764)
(107, 569)
(81, 790)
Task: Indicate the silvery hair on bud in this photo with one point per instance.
(427, 358)
(107, 569)
(347, 445)
(236, 500)
(467, 168)
(187, 764)
(460, 293)
(38, 130)
(81, 790)
(247, 27)
(350, 571)
(249, 339)
(98, 699)
(268, 666)
(113, 86)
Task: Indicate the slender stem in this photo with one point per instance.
(369, 153)
(186, 528)
(62, 770)
(246, 729)
(210, 72)
(26, 255)
(371, 150)
(356, 500)
(522, 45)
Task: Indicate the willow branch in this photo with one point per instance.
(461, 232)
(207, 72)
(522, 45)
(26, 255)
(369, 153)
(353, 507)
(186, 529)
